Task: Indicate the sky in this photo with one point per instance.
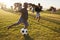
(44, 3)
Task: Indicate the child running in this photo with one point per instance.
(38, 10)
(24, 17)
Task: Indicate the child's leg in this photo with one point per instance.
(14, 24)
(26, 24)
(38, 18)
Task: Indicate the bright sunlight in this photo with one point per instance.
(8, 3)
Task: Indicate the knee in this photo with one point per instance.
(18, 23)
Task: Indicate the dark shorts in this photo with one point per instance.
(37, 14)
(21, 20)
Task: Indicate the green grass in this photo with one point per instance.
(47, 29)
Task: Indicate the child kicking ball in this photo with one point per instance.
(23, 19)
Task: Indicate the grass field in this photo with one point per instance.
(47, 29)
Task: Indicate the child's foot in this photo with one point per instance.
(9, 27)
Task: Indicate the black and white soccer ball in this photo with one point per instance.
(24, 31)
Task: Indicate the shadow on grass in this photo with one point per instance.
(47, 19)
(55, 30)
(51, 20)
(27, 37)
(53, 17)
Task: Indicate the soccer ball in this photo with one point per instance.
(24, 31)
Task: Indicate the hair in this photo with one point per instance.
(38, 4)
(25, 5)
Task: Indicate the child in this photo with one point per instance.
(38, 10)
(23, 18)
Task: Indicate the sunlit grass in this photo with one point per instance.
(47, 29)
